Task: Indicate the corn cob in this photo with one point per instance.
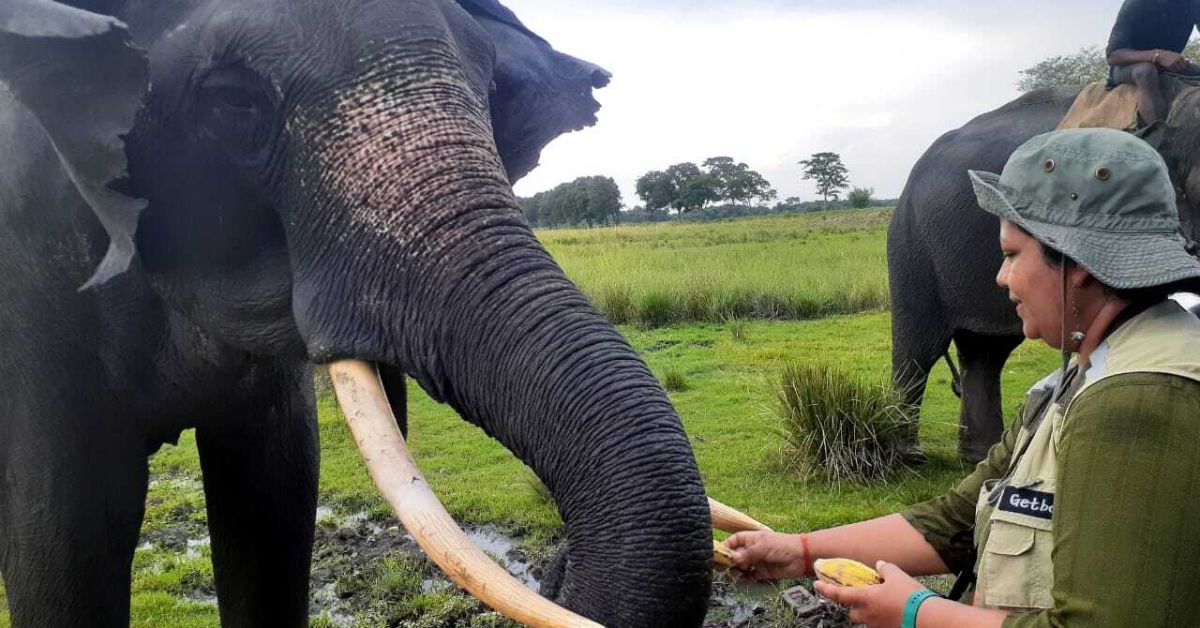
(845, 572)
(722, 556)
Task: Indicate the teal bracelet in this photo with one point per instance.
(913, 605)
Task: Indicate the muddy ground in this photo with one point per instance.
(371, 573)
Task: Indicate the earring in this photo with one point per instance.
(1077, 336)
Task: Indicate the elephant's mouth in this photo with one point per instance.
(364, 403)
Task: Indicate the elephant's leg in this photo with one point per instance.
(71, 505)
(981, 418)
(260, 466)
(919, 340)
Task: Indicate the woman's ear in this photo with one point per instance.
(82, 79)
(539, 93)
(1079, 277)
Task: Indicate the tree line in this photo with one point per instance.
(717, 187)
(687, 187)
(590, 201)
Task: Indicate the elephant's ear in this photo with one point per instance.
(540, 93)
(80, 76)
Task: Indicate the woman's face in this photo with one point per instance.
(1033, 285)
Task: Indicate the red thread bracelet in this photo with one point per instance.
(807, 556)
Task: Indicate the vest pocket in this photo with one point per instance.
(1015, 568)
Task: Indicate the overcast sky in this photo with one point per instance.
(769, 82)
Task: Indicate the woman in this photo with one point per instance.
(1087, 513)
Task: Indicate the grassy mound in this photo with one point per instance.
(842, 427)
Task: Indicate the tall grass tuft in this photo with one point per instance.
(840, 427)
(674, 381)
(655, 309)
(613, 299)
(737, 328)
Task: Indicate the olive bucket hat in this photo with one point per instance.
(1101, 197)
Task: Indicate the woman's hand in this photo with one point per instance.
(766, 555)
(876, 606)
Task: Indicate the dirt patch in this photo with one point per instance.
(739, 604)
(371, 572)
(346, 580)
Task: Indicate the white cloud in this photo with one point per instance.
(771, 83)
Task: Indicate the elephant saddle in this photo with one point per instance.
(1098, 106)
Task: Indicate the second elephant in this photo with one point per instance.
(943, 252)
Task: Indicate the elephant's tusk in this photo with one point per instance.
(365, 405)
(727, 519)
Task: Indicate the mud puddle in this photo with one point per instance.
(371, 572)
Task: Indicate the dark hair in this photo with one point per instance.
(1134, 296)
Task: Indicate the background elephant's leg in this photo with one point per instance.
(919, 340)
(71, 507)
(260, 465)
(981, 418)
(921, 331)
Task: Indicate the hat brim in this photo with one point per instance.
(1118, 260)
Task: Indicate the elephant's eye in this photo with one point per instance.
(232, 97)
(235, 107)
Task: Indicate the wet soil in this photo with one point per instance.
(345, 551)
(346, 577)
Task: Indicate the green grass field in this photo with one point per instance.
(797, 267)
(723, 376)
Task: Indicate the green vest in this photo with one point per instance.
(1014, 521)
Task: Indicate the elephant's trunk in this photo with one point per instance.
(427, 264)
(539, 370)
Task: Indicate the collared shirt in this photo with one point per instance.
(1126, 534)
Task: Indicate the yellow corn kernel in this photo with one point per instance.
(845, 572)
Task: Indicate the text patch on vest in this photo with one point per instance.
(1026, 501)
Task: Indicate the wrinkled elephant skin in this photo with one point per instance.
(244, 188)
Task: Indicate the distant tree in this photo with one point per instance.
(686, 187)
(656, 189)
(789, 204)
(725, 169)
(683, 172)
(736, 182)
(860, 197)
(693, 188)
(697, 192)
(641, 214)
(829, 173)
(602, 202)
(1086, 66)
(591, 201)
(531, 209)
(1080, 68)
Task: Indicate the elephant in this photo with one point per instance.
(202, 199)
(943, 254)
